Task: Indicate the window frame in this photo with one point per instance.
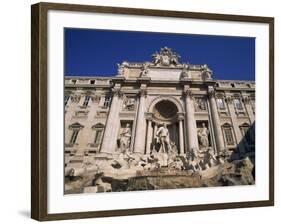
(229, 128)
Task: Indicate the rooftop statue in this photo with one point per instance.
(166, 57)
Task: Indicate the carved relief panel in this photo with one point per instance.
(129, 103)
(200, 104)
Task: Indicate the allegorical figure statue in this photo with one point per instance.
(145, 69)
(156, 58)
(203, 134)
(125, 138)
(164, 138)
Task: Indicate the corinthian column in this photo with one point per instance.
(149, 134)
(181, 141)
(112, 124)
(216, 121)
(192, 140)
(139, 146)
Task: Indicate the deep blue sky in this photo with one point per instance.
(90, 52)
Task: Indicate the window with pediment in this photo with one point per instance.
(98, 133)
(75, 127)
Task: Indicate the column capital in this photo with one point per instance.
(211, 93)
(180, 116)
(117, 92)
(187, 93)
(149, 116)
(143, 92)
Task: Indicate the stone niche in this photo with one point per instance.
(166, 112)
(201, 125)
(125, 132)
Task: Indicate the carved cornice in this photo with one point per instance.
(75, 98)
(96, 98)
(219, 95)
(87, 93)
(228, 99)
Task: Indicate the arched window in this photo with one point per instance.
(228, 134)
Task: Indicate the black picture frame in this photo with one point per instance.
(39, 106)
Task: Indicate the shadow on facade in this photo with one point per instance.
(245, 148)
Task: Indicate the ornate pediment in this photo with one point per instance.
(166, 57)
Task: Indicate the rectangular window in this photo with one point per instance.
(228, 136)
(86, 101)
(237, 104)
(74, 136)
(220, 103)
(106, 101)
(98, 137)
(66, 98)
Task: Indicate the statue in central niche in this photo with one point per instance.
(164, 138)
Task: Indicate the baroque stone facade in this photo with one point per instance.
(159, 106)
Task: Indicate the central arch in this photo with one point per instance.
(168, 110)
(172, 101)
